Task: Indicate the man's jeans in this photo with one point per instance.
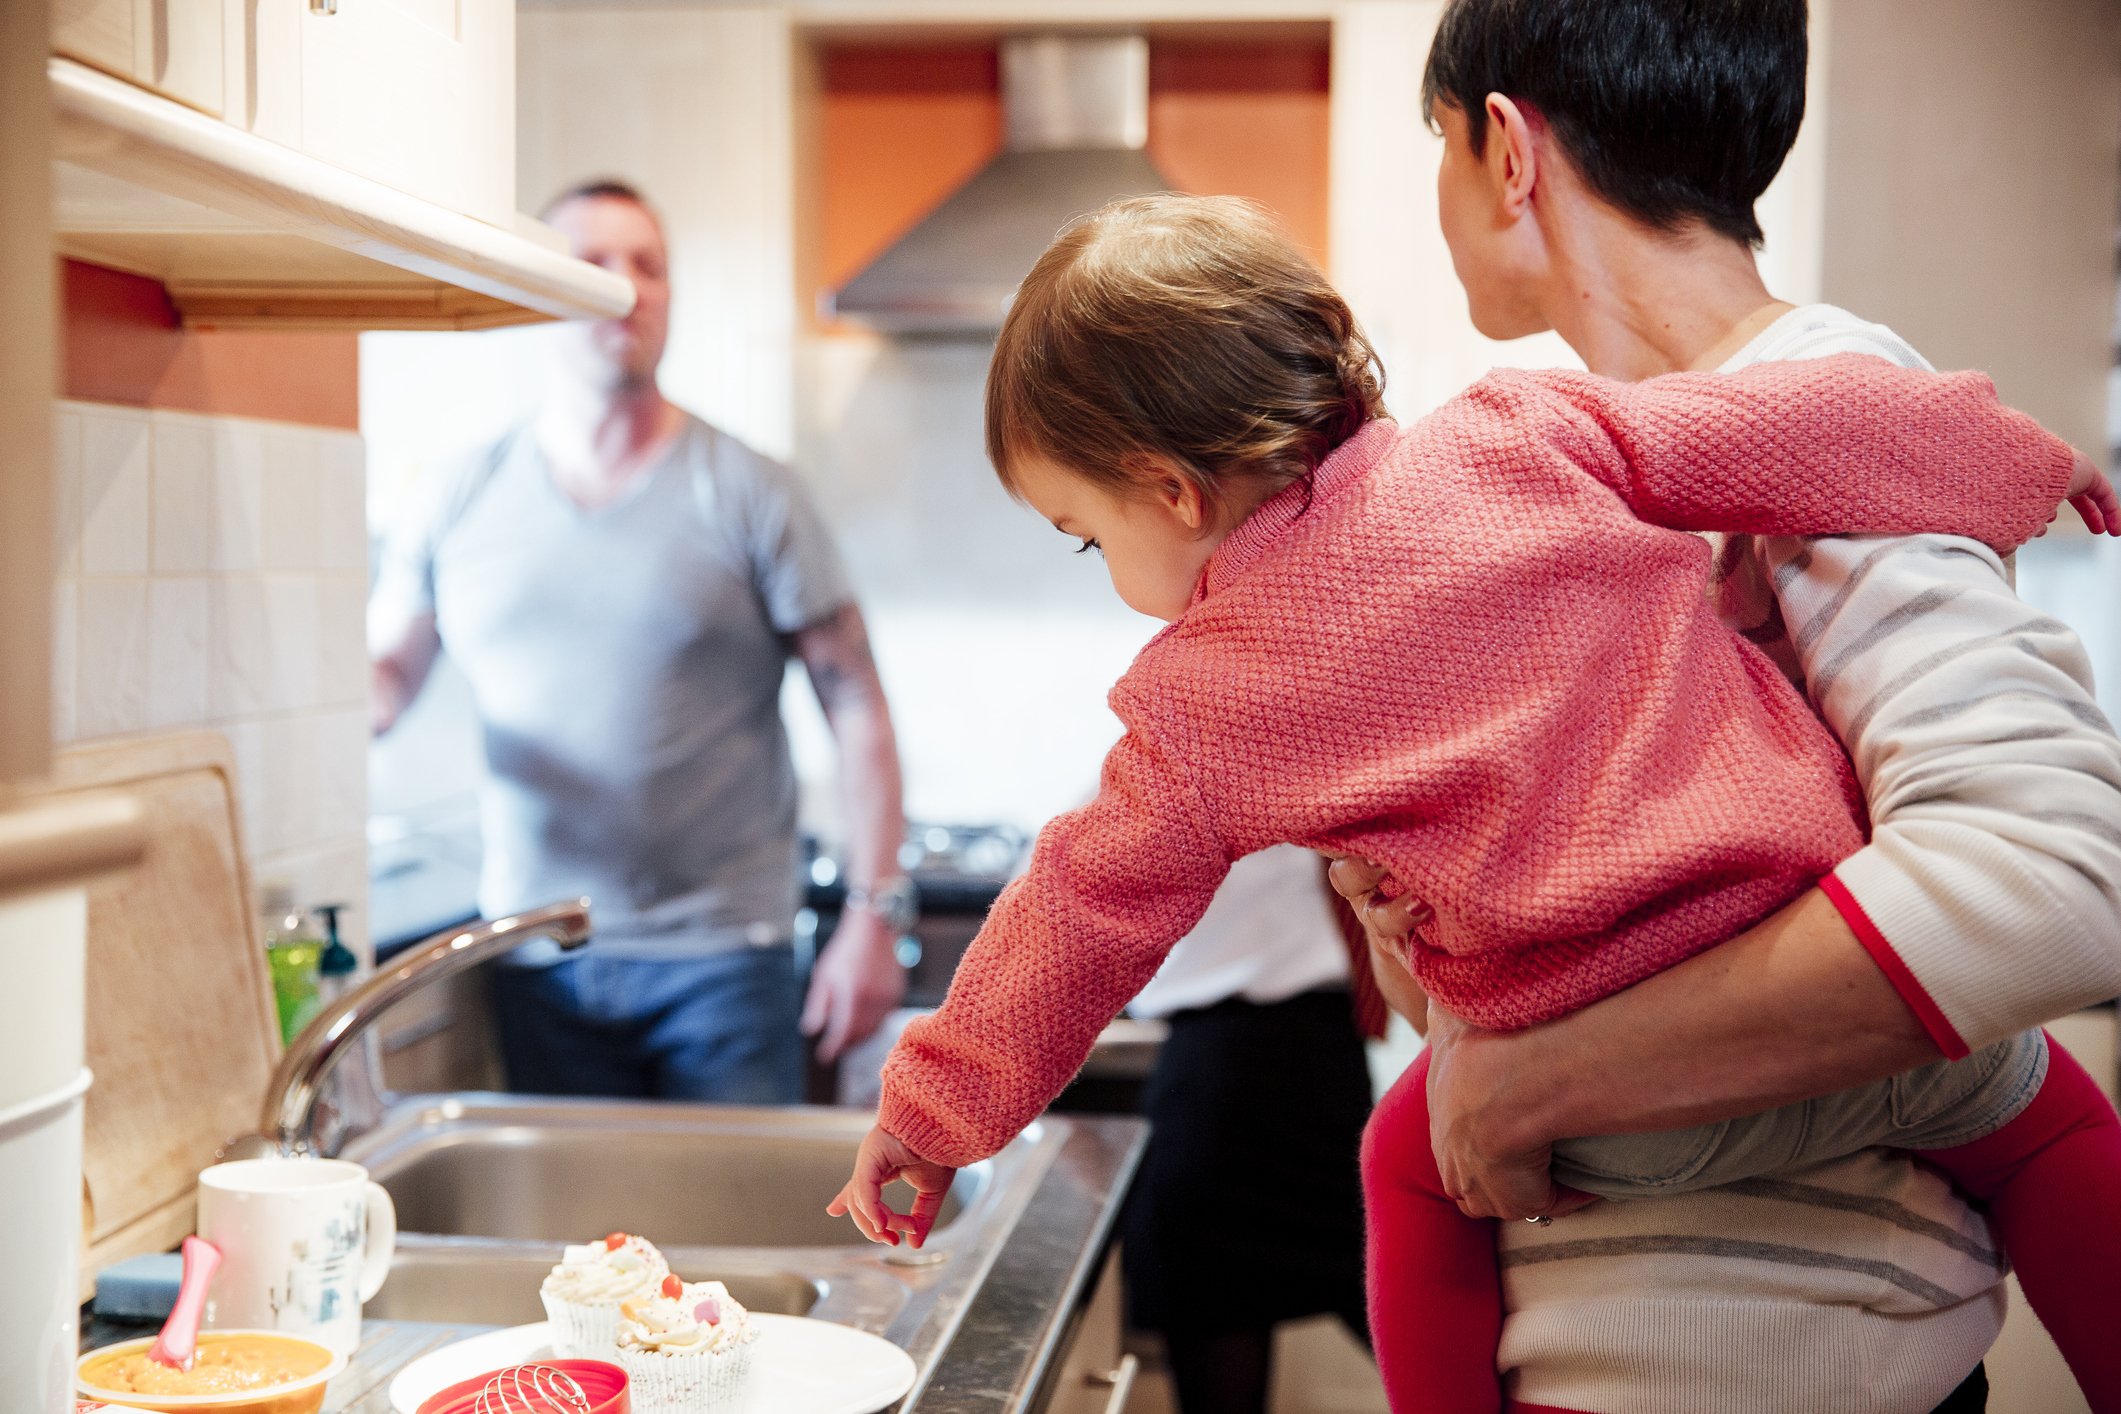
(717, 1028)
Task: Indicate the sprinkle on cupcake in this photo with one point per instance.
(683, 1318)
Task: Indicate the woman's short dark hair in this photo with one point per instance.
(1675, 111)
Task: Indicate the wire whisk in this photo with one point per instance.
(531, 1389)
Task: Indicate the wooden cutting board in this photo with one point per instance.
(182, 1034)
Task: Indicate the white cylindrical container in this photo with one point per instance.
(44, 946)
(40, 1228)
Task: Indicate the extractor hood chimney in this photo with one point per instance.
(1076, 115)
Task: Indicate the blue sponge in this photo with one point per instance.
(140, 1288)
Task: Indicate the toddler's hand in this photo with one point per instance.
(1387, 912)
(882, 1158)
(2092, 494)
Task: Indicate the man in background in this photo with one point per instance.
(622, 586)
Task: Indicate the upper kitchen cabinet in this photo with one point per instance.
(175, 47)
(416, 94)
(345, 164)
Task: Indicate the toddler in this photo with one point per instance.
(1475, 649)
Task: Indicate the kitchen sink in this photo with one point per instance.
(498, 1286)
(489, 1188)
(685, 1177)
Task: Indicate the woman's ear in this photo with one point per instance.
(1512, 155)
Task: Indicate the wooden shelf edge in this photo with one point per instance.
(217, 305)
(110, 126)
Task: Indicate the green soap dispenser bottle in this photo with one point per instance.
(294, 952)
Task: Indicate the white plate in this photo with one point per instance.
(799, 1366)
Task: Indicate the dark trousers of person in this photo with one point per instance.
(720, 1028)
(1247, 1210)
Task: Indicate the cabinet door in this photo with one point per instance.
(418, 95)
(171, 46)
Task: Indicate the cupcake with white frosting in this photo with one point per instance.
(686, 1348)
(584, 1292)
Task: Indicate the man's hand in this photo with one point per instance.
(854, 985)
(882, 1158)
(1492, 1166)
(2092, 496)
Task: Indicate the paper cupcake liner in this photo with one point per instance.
(581, 1331)
(686, 1384)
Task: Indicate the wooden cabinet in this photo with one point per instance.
(175, 47)
(418, 95)
(1093, 1375)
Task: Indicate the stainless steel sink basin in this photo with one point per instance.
(690, 1177)
(499, 1286)
(489, 1187)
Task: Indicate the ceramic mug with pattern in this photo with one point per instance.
(303, 1243)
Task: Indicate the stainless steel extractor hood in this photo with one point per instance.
(1076, 115)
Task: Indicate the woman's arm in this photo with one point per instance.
(1990, 894)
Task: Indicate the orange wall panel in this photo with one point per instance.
(1270, 147)
(890, 159)
(905, 126)
(123, 344)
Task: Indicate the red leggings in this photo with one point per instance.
(2051, 1178)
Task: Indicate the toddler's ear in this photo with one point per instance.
(1171, 488)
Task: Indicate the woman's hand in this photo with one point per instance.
(1490, 1164)
(2092, 494)
(882, 1158)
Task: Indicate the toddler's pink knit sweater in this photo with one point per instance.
(1464, 651)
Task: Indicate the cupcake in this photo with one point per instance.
(582, 1294)
(684, 1348)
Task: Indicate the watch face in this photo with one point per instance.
(896, 902)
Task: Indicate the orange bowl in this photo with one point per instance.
(300, 1396)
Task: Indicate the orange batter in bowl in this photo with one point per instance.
(223, 1365)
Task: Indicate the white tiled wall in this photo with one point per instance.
(212, 572)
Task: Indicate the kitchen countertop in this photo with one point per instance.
(1009, 1337)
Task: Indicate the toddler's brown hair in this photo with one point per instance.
(1183, 327)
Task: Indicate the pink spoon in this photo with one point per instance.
(180, 1333)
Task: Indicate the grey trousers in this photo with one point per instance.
(1939, 1106)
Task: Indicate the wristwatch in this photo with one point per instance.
(894, 902)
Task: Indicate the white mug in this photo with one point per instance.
(303, 1243)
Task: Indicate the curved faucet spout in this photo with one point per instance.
(291, 1098)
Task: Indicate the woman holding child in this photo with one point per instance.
(1454, 649)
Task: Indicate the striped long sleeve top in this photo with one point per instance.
(1990, 892)
(1462, 649)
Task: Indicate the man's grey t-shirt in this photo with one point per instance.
(627, 663)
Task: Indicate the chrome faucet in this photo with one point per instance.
(288, 1121)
